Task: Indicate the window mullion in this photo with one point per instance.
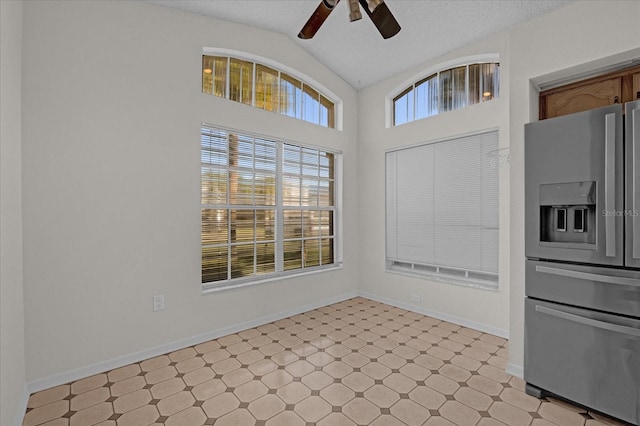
(279, 237)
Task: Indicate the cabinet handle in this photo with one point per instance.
(615, 99)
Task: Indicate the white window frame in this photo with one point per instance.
(216, 286)
(454, 63)
(305, 79)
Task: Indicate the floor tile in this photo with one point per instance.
(356, 362)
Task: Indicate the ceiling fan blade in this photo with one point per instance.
(317, 19)
(383, 19)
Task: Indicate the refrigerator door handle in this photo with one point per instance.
(630, 331)
(609, 184)
(609, 279)
(634, 140)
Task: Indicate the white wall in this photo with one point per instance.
(484, 309)
(583, 36)
(110, 144)
(12, 365)
(112, 109)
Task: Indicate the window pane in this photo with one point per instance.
(240, 81)
(309, 193)
(311, 222)
(292, 224)
(214, 264)
(265, 155)
(427, 97)
(403, 107)
(291, 191)
(327, 112)
(214, 75)
(240, 151)
(240, 188)
(242, 260)
(489, 81)
(310, 105)
(459, 87)
(311, 253)
(446, 90)
(265, 225)
(213, 146)
(326, 165)
(325, 193)
(214, 186)
(242, 222)
(290, 96)
(266, 88)
(265, 258)
(265, 190)
(326, 251)
(310, 162)
(292, 255)
(215, 227)
(207, 74)
(475, 90)
(326, 223)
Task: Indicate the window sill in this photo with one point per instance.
(479, 284)
(275, 277)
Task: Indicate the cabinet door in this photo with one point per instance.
(583, 98)
(636, 87)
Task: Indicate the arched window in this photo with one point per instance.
(266, 86)
(447, 88)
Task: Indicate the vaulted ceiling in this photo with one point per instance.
(355, 50)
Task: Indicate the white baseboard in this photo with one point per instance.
(436, 314)
(515, 370)
(110, 364)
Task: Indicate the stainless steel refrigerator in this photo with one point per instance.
(582, 242)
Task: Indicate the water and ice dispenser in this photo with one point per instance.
(568, 214)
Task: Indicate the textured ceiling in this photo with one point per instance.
(355, 50)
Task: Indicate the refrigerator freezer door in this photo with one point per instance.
(582, 151)
(585, 356)
(632, 211)
(614, 290)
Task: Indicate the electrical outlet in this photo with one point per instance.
(158, 302)
(415, 298)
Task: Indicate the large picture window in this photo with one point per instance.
(268, 207)
(442, 210)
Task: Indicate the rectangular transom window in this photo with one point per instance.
(442, 210)
(268, 207)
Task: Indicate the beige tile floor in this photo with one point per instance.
(356, 362)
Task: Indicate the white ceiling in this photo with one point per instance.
(355, 50)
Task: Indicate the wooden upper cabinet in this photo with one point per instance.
(617, 87)
(582, 98)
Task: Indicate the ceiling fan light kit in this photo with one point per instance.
(354, 11)
(376, 10)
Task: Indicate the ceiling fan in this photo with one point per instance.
(376, 10)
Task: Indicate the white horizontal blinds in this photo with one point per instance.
(442, 208)
(267, 206)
